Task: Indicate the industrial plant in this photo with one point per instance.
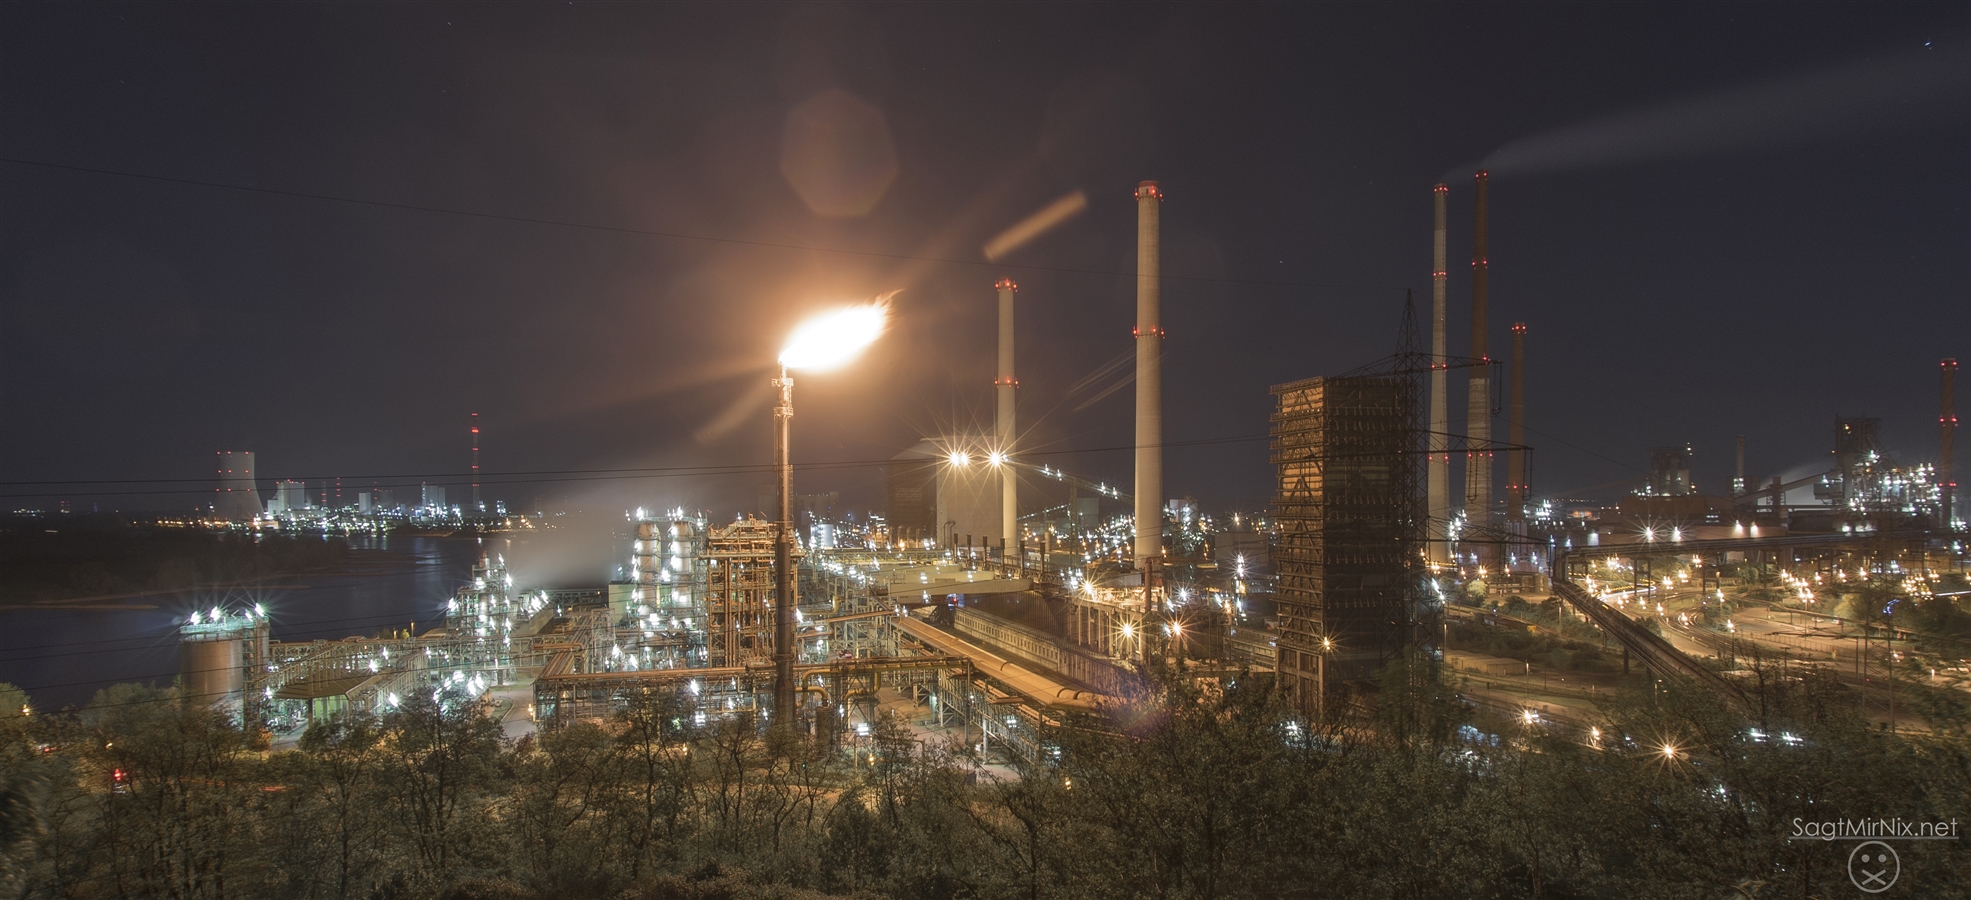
(1002, 598)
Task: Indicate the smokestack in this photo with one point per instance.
(1947, 426)
(1516, 435)
(1478, 401)
(1004, 386)
(1738, 479)
(1149, 377)
(475, 465)
(1440, 417)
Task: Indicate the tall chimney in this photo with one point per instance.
(1004, 386)
(1440, 418)
(1947, 425)
(1149, 377)
(1478, 401)
(475, 465)
(1738, 479)
(1516, 435)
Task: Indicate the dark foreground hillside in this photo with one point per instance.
(1215, 794)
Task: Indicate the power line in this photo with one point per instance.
(675, 235)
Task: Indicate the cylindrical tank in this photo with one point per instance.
(212, 667)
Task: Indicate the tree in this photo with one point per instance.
(438, 766)
(653, 804)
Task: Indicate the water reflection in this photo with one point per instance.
(62, 657)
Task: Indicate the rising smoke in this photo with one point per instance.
(1910, 91)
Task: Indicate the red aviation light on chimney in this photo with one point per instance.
(1149, 189)
(1005, 284)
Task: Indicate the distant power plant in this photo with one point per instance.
(289, 497)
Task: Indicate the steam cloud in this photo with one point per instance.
(1908, 91)
(1067, 207)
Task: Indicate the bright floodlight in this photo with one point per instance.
(831, 339)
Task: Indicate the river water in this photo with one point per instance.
(62, 657)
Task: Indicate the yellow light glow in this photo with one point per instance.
(833, 338)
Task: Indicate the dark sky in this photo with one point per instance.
(1763, 224)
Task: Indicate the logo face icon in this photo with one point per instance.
(1874, 867)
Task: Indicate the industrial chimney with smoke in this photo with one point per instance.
(1478, 409)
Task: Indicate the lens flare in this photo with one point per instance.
(831, 339)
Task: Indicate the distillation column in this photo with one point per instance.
(1478, 401)
(1149, 377)
(1005, 386)
(1440, 417)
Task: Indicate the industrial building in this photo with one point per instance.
(950, 491)
(1350, 537)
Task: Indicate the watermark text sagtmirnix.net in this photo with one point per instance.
(1893, 829)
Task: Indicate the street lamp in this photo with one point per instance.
(821, 343)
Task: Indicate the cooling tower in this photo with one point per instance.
(236, 499)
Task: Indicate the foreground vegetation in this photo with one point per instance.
(1214, 792)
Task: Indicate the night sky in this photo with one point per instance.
(1715, 219)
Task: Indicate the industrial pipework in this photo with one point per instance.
(1149, 377)
(1439, 458)
(1005, 386)
(1478, 401)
